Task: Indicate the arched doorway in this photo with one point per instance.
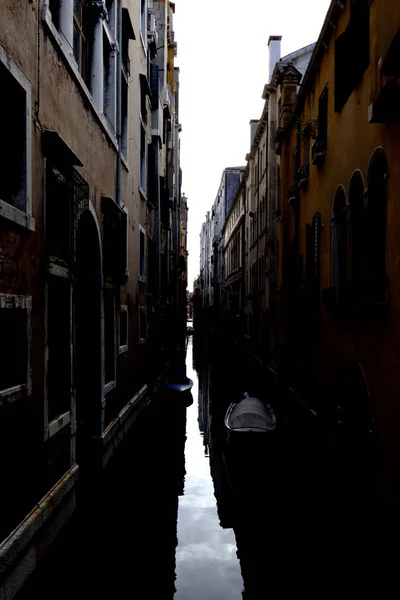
(339, 243)
(88, 369)
(358, 237)
(377, 193)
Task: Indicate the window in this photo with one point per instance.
(124, 116)
(143, 159)
(143, 102)
(142, 324)
(109, 335)
(358, 237)
(123, 329)
(323, 119)
(16, 137)
(58, 346)
(15, 345)
(143, 21)
(54, 6)
(58, 214)
(352, 52)
(142, 254)
(80, 38)
(109, 83)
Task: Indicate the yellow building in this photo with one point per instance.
(338, 142)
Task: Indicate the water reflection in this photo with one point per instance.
(183, 515)
(207, 566)
(123, 541)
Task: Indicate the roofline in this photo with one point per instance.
(299, 52)
(328, 27)
(242, 169)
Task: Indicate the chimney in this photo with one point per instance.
(274, 45)
(253, 129)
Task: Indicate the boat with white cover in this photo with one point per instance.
(250, 415)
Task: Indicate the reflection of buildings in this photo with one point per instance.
(123, 544)
(161, 554)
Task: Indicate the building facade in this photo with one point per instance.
(262, 188)
(233, 236)
(338, 143)
(212, 243)
(87, 213)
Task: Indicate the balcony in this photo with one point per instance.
(302, 176)
(318, 153)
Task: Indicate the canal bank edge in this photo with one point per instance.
(21, 551)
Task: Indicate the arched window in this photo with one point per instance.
(376, 227)
(339, 243)
(358, 242)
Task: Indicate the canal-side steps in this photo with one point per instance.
(22, 550)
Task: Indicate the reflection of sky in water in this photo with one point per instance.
(206, 563)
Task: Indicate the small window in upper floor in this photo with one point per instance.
(352, 52)
(15, 102)
(323, 118)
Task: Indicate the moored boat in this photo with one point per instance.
(250, 415)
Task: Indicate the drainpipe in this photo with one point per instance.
(119, 109)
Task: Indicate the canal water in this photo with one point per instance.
(183, 514)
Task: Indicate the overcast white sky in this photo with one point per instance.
(223, 60)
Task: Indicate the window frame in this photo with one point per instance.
(54, 425)
(18, 302)
(7, 210)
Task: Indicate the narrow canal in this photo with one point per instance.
(181, 516)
